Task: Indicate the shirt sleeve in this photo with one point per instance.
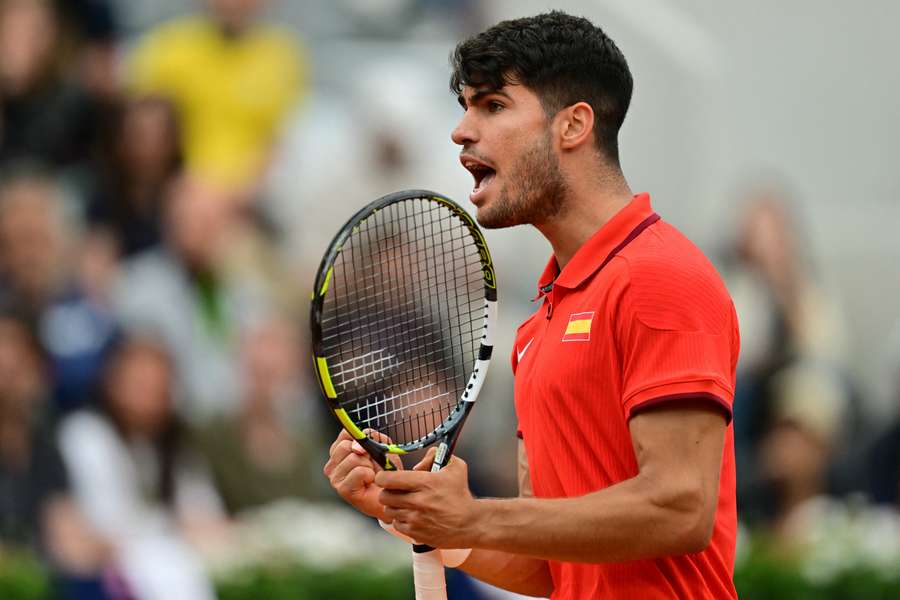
(677, 338)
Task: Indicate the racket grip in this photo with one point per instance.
(428, 574)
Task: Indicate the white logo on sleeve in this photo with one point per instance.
(521, 353)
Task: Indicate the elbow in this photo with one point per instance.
(692, 515)
(699, 532)
(698, 524)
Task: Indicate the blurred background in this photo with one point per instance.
(172, 170)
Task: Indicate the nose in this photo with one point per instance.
(465, 132)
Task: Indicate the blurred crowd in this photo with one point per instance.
(154, 380)
(152, 372)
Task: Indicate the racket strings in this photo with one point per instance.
(403, 321)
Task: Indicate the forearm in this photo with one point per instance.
(512, 572)
(627, 521)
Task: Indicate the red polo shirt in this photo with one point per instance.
(637, 317)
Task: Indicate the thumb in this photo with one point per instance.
(427, 461)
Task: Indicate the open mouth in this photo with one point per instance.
(482, 173)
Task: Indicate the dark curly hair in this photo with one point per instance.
(561, 58)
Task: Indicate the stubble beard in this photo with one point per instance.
(534, 191)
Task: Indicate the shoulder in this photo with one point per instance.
(149, 276)
(671, 284)
(86, 436)
(84, 422)
(277, 38)
(153, 267)
(279, 48)
(163, 54)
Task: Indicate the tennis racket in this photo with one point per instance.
(403, 310)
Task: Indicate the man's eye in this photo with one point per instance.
(495, 106)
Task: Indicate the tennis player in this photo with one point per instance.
(624, 376)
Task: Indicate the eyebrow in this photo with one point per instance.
(479, 94)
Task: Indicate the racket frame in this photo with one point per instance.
(448, 431)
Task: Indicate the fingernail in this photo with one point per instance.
(357, 448)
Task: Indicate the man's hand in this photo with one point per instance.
(432, 508)
(351, 472)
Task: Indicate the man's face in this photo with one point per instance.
(27, 40)
(32, 238)
(199, 221)
(506, 144)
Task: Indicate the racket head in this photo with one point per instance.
(402, 315)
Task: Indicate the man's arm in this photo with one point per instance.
(668, 508)
(513, 572)
(351, 473)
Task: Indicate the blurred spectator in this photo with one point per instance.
(883, 457)
(791, 388)
(93, 25)
(142, 157)
(135, 477)
(799, 447)
(41, 114)
(39, 246)
(181, 290)
(232, 80)
(272, 448)
(36, 509)
(883, 468)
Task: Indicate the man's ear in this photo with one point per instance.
(576, 125)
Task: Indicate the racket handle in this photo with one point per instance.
(424, 556)
(441, 456)
(428, 574)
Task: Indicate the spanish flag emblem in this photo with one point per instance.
(579, 327)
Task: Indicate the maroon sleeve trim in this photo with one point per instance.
(706, 396)
(519, 434)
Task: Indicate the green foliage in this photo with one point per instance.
(304, 583)
(763, 577)
(770, 574)
(763, 574)
(23, 578)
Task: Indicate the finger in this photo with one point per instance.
(427, 461)
(340, 450)
(357, 448)
(456, 464)
(338, 453)
(397, 515)
(401, 481)
(342, 436)
(357, 479)
(404, 527)
(351, 462)
(396, 499)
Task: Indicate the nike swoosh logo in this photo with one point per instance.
(524, 350)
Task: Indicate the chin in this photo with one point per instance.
(493, 219)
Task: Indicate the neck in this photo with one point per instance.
(591, 203)
(232, 30)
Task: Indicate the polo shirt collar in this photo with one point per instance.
(599, 249)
